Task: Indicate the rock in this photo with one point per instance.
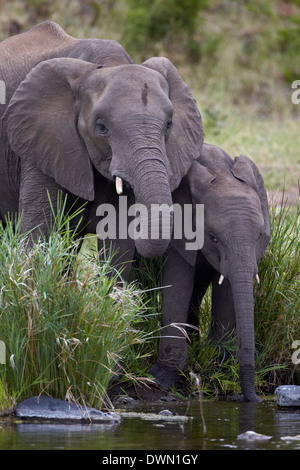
(288, 395)
(253, 436)
(291, 438)
(51, 408)
(127, 400)
(165, 413)
(168, 398)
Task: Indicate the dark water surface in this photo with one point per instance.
(224, 421)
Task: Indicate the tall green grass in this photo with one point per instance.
(70, 326)
(67, 322)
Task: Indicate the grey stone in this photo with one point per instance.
(167, 398)
(165, 413)
(51, 408)
(253, 436)
(127, 400)
(288, 395)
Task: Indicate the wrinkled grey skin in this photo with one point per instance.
(78, 114)
(236, 236)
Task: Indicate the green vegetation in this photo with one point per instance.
(151, 25)
(278, 298)
(70, 327)
(67, 323)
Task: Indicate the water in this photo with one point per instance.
(224, 422)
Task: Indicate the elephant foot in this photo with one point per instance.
(247, 383)
(242, 399)
(252, 398)
(165, 376)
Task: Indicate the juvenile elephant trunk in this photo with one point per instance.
(242, 290)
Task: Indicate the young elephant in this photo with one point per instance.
(236, 234)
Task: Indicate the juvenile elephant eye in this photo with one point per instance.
(100, 126)
(213, 238)
(169, 125)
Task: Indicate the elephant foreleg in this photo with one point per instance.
(177, 290)
(37, 202)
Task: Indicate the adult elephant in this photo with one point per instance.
(236, 234)
(79, 115)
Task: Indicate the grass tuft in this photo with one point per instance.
(66, 322)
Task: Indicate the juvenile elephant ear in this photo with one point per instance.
(41, 124)
(186, 137)
(190, 191)
(199, 178)
(245, 170)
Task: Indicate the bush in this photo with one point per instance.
(69, 327)
(171, 22)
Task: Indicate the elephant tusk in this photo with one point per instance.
(257, 278)
(221, 279)
(12, 362)
(119, 185)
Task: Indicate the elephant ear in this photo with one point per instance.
(199, 178)
(245, 170)
(41, 124)
(185, 141)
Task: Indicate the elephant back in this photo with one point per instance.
(47, 40)
(20, 53)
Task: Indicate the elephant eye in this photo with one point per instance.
(169, 125)
(213, 238)
(100, 126)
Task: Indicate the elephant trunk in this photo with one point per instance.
(147, 171)
(241, 281)
(152, 191)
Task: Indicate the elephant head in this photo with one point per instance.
(236, 234)
(137, 123)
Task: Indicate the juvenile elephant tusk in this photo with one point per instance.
(221, 279)
(119, 185)
(257, 278)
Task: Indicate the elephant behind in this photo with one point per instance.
(79, 114)
(236, 234)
